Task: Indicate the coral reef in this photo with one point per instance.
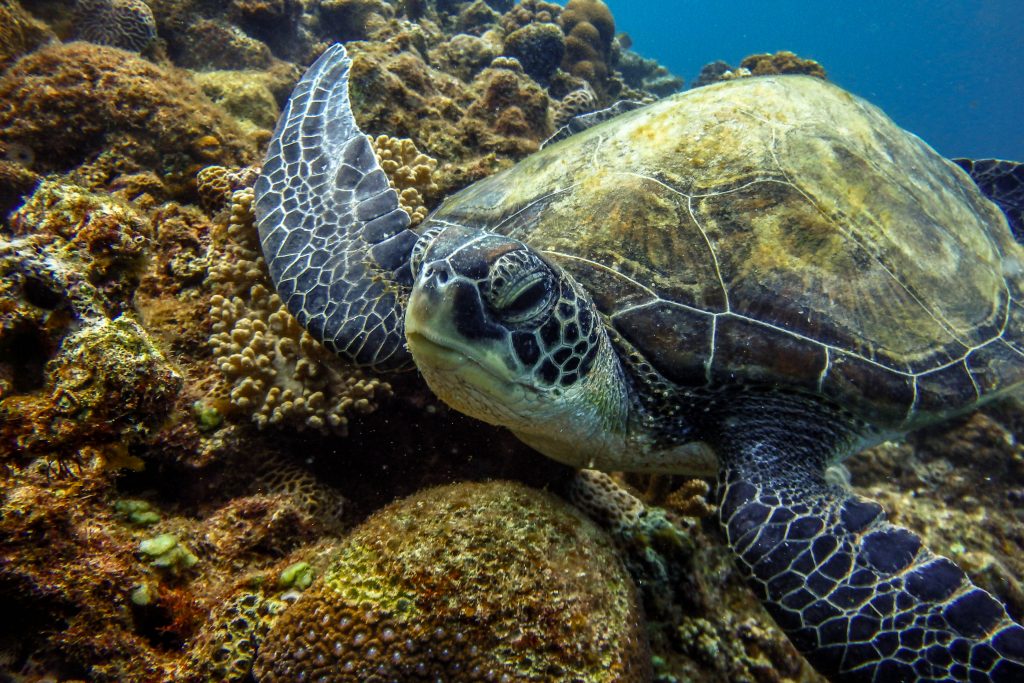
(469, 582)
(767, 64)
(127, 24)
(530, 12)
(216, 185)
(226, 647)
(20, 32)
(107, 385)
(582, 101)
(589, 30)
(107, 112)
(540, 48)
(353, 19)
(647, 75)
(782, 62)
(105, 238)
(276, 372)
(711, 73)
(246, 95)
(410, 172)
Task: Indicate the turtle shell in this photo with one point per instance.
(778, 231)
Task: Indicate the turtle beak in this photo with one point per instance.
(446, 322)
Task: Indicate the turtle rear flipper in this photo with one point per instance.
(863, 599)
(1003, 183)
(335, 239)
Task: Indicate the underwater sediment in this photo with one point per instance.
(188, 477)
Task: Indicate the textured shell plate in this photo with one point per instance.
(778, 231)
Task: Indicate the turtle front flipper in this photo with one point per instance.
(863, 599)
(336, 242)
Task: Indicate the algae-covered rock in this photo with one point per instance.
(466, 582)
(108, 384)
(244, 94)
(538, 47)
(79, 102)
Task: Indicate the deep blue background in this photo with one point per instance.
(951, 71)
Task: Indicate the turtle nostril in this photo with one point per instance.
(436, 273)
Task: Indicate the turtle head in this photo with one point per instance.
(505, 336)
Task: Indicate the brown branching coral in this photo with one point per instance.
(127, 24)
(276, 371)
(80, 102)
(409, 171)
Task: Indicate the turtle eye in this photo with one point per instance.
(521, 288)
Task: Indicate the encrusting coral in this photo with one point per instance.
(467, 582)
(276, 372)
(127, 24)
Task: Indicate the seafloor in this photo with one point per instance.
(180, 461)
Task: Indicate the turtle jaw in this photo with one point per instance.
(469, 363)
(468, 375)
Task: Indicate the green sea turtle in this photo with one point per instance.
(753, 279)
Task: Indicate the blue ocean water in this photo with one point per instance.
(951, 71)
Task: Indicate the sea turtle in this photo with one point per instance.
(753, 279)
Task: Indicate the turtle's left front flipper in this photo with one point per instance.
(1002, 182)
(863, 599)
(336, 241)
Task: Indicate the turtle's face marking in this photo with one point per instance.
(495, 292)
(504, 336)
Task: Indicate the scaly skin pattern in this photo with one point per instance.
(336, 242)
(863, 599)
(775, 254)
